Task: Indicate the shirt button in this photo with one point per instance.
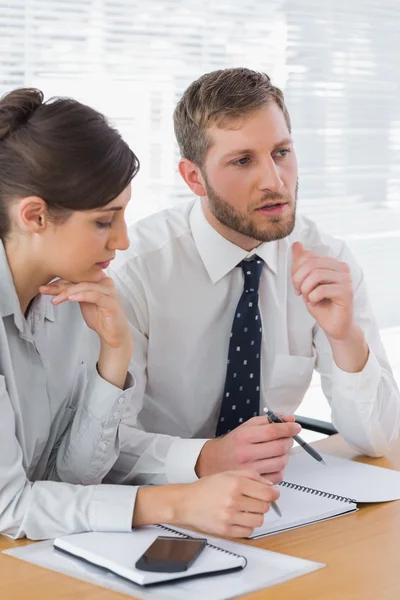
(104, 446)
(116, 414)
(120, 400)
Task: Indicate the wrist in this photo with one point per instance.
(123, 348)
(113, 363)
(351, 352)
(161, 504)
(206, 461)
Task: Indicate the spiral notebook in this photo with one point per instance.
(306, 499)
(302, 505)
(118, 553)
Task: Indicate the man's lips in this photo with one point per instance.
(273, 209)
(269, 205)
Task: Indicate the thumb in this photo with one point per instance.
(297, 250)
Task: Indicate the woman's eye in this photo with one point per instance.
(103, 225)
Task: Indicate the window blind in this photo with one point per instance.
(337, 62)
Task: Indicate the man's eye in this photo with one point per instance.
(283, 152)
(242, 161)
(103, 225)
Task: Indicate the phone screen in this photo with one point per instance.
(167, 553)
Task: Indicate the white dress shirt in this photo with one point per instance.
(180, 288)
(58, 422)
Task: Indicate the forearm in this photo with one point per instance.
(89, 447)
(351, 353)
(153, 458)
(113, 363)
(366, 407)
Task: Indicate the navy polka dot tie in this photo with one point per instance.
(241, 399)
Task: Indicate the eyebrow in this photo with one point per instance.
(284, 142)
(108, 209)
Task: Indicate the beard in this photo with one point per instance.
(271, 229)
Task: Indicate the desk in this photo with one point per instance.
(362, 552)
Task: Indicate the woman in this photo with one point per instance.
(65, 179)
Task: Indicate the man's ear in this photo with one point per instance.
(32, 214)
(191, 175)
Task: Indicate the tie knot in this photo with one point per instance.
(252, 269)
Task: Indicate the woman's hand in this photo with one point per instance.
(230, 504)
(102, 312)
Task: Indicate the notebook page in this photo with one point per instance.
(119, 552)
(363, 483)
(299, 508)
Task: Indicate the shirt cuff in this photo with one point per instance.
(111, 507)
(181, 460)
(364, 384)
(103, 395)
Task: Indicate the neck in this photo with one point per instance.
(239, 239)
(26, 272)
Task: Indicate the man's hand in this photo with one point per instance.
(326, 286)
(257, 445)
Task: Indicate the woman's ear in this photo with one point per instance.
(32, 214)
(191, 174)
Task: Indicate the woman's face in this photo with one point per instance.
(82, 246)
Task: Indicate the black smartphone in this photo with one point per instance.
(170, 554)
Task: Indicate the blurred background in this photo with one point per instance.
(338, 62)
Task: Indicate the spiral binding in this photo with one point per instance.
(189, 537)
(308, 490)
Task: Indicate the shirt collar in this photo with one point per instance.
(9, 302)
(218, 254)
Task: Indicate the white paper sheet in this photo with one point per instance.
(264, 569)
(342, 477)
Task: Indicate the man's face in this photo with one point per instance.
(250, 175)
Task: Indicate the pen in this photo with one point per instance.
(276, 508)
(275, 419)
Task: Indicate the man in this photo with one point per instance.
(232, 305)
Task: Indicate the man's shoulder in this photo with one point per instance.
(314, 238)
(156, 232)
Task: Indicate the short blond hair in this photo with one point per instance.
(220, 97)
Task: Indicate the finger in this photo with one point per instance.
(253, 505)
(78, 289)
(259, 490)
(248, 519)
(87, 286)
(335, 292)
(286, 418)
(276, 478)
(321, 277)
(297, 250)
(55, 287)
(236, 531)
(314, 262)
(262, 420)
(299, 255)
(91, 297)
(270, 432)
(274, 449)
(276, 431)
